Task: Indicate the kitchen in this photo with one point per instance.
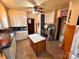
(18, 20)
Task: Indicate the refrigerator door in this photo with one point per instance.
(74, 53)
(74, 56)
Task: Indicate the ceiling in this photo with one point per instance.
(55, 4)
(47, 5)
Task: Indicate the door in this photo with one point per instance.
(42, 22)
(30, 23)
(58, 28)
(68, 39)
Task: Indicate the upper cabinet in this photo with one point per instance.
(3, 17)
(17, 18)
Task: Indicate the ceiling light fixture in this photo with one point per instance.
(34, 10)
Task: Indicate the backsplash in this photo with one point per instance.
(17, 28)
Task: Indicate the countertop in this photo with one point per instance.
(11, 35)
(36, 38)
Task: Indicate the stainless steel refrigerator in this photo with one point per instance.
(74, 53)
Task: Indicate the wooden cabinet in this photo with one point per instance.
(38, 47)
(38, 43)
(68, 38)
(41, 46)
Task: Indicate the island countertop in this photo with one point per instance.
(36, 38)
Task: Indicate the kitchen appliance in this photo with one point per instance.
(49, 31)
(74, 54)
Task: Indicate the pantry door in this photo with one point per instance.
(30, 23)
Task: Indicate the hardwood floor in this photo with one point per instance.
(3, 56)
(24, 51)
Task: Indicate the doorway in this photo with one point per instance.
(78, 21)
(30, 23)
(42, 22)
(60, 27)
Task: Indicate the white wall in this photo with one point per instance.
(58, 13)
(3, 17)
(37, 19)
(74, 6)
(17, 17)
(49, 17)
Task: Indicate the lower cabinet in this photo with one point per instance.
(11, 51)
(20, 35)
(38, 47)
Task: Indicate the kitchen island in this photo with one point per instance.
(38, 43)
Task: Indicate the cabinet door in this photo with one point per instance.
(12, 49)
(41, 46)
(20, 35)
(68, 38)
